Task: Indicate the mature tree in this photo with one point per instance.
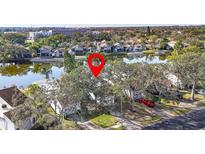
(9, 51)
(190, 49)
(178, 46)
(69, 62)
(15, 38)
(148, 31)
(137, 79)
(52, 41)
(46, 70)
(36, 107)
(20, 113)
(190, 69)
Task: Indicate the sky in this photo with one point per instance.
(89, 25)
(103, 12)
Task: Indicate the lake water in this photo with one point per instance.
(23, 75)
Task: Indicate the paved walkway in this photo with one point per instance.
(191, 121)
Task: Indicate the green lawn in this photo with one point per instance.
(148, 52)
(68, 124)
(169, 102)
(187, 95)
(104, 120)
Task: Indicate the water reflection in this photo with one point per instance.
(13, 70)
(26, 74)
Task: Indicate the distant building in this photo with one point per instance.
(34, 35)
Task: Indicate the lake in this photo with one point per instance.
(23, 75)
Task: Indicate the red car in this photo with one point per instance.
(148, 103)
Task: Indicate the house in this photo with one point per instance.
(103, 101)
(77, 50)
(168, 47)
(23, 55)
(117, 47)
(7, 105)
(92, 49)
(127, 48)
(22, 52)
(63, 109)
(138, 47)
(58, 106)
(45, 51)
(172, 43)
(174, 80)
(103, 46)
(58, 52)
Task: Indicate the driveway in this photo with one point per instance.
(191, 121)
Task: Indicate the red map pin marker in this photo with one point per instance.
(96, 69)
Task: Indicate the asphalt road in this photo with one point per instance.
(191, 121)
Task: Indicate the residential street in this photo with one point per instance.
(190, 121)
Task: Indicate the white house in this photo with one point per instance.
(173, 79)
(45, 51)
(5, 122)
(58, 52)
(172, 43)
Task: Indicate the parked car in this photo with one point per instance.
(148, 103)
